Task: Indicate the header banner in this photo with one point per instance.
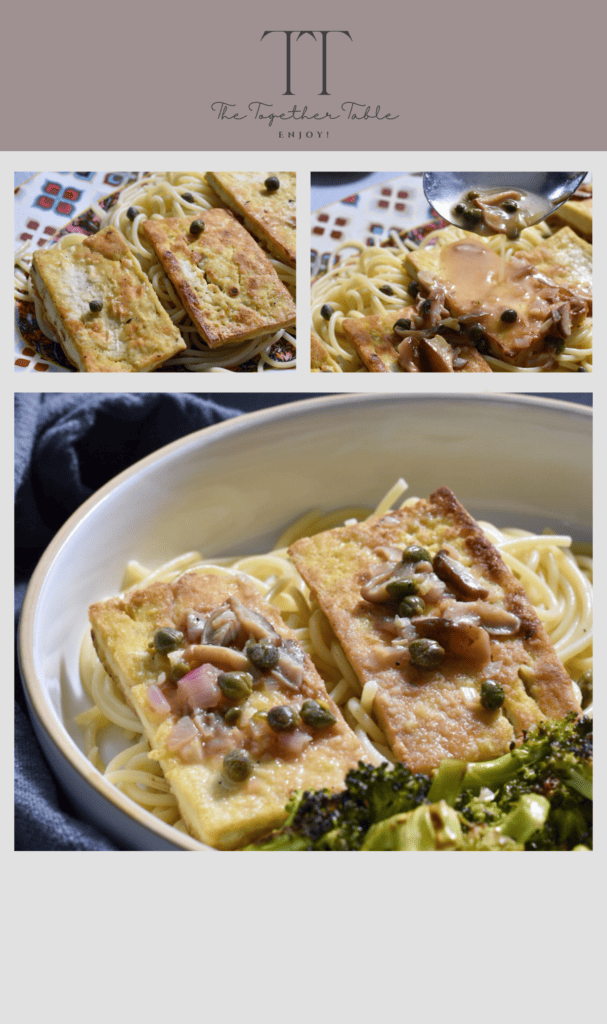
(270, 76)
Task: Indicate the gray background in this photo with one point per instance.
(470, 76)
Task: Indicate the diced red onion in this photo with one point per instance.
(199, 687)
(184, 731)
(291, 744)
(191, 753)
(157, 700)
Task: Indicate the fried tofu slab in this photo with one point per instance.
(192, 725)
(382, 351)
(466, 602)
(269, 214)
(127, 330)
(577, 212)
(224, 279)
(536, 287)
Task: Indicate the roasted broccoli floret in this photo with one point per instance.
(553, 761)
(536, 797)
(339, 821)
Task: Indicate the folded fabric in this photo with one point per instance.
(66, 447)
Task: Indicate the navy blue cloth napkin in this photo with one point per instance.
(66, 447)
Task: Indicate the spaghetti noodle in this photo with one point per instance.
(352, 287)
(556, 577)
(156, 196)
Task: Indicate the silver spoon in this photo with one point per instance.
(549, 189)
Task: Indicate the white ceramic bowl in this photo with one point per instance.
(232, 488)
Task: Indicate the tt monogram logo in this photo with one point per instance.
(298, 34)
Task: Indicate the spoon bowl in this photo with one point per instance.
(549, 189)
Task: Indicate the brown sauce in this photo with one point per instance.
(492, 211)
(480, 282)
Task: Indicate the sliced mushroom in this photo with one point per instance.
(221, 628)
(226, 658)
(408, 355)
(562, 319)
(375, 590)
(457, 577)
(496, 620)
(194, 629)
(492, 617)
(253, 623)
(290, 667)
(459, 639)
(437, 353)
(437, 309)
(389, 554)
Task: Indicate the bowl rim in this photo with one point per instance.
(38, 706)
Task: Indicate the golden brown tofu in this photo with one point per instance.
(472, 607)
(320, 361)
(268, 214)
(374, 339)
(477, 284)
(577, 212)
(567, 259)
(226, 282)
(188, 718)
(129, 331)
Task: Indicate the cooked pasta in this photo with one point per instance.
(157, 196)
(556, 577)
(352, 287)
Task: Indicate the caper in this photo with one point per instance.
(272, 184)
(472, 194)
(316, 715)
(167, 639)
(95, 306)
(412, 605)
(189, 198)
(476, 333)
(196, 227)
(386, 289)
(413, 289)
(426, 653)
(132, 212)
(261, 653)
(472, 215)
(426, 306)
(510, 206)
(585, 685)
(237, 766)
(509, 316)
(231, 715)
(282, 718)
(235, 685)
(397, 589)
(178, 671)
(459, 208)
(402, 325)
(492, 694)
(415, 553)
(326, 311)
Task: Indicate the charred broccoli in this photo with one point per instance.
(536, 797)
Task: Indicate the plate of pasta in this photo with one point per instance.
(197, 586)
(92, 292)
(439, 298)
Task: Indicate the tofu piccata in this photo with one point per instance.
(524, 306)
(234, 710)
(383, 350)
(424, 607)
